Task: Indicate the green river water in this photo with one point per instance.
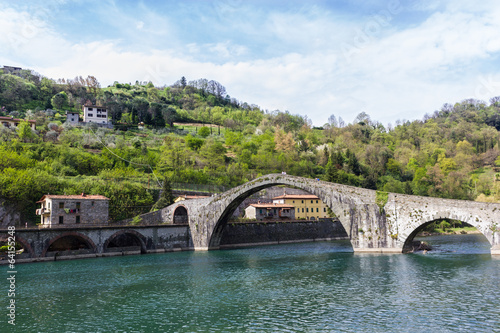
(306, 287)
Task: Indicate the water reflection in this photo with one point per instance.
(295, 287)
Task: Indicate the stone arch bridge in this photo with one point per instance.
(374, 221)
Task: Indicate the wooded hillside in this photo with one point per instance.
(451, 153)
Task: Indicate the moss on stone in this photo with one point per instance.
(381, 199)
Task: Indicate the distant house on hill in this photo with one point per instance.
(72, 117)
(95, 114)
(14, 122)
(12, 70)
(63, 210)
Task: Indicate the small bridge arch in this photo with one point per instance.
(407, 247)
(71, 235)
(125, 238)
(181, 215)
(26, 245)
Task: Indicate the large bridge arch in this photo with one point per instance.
(240, 197)
(208, 217)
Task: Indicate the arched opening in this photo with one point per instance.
(277, 214)
(70, 244)
(22, 248)
(125, 241)
(447, 235)
(180, 215)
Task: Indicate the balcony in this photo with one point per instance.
(43, 211)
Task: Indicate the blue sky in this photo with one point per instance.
(391, 59)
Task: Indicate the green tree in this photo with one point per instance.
(60, 100)
(204, 132)
(24, 132)
(166, 196)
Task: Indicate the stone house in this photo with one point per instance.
(72, 117)
(307, 206)
(73, 210)
(270, 211)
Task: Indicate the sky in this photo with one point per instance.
(394, 59)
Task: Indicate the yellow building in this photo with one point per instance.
(307, 206)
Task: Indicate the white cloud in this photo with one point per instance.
(397, 73)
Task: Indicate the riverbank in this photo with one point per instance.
(450, 231)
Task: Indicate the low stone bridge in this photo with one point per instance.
(374, 221)
(87, 242)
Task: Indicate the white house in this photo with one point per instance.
(95, 114)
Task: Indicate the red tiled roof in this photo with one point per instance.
(271, 205)
(75, 197)
(296, 196)
(15, 119)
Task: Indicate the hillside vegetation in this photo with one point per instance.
(452, 153)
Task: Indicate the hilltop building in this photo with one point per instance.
(12, 70)
(59, 210)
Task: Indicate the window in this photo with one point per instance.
(316, 201)
(307, 210)
(317, 210)
(77, 220)
(293, 201)
(61, 205)
(92, 203)
(91, 114)
(77, 205)
(302, 201)
(260, 211)
(312, 201)
(302, 210)
(90, 109)
(324, 209)
(61, 219)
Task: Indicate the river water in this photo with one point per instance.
(307, 287)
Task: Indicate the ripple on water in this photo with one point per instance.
(290, 288)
